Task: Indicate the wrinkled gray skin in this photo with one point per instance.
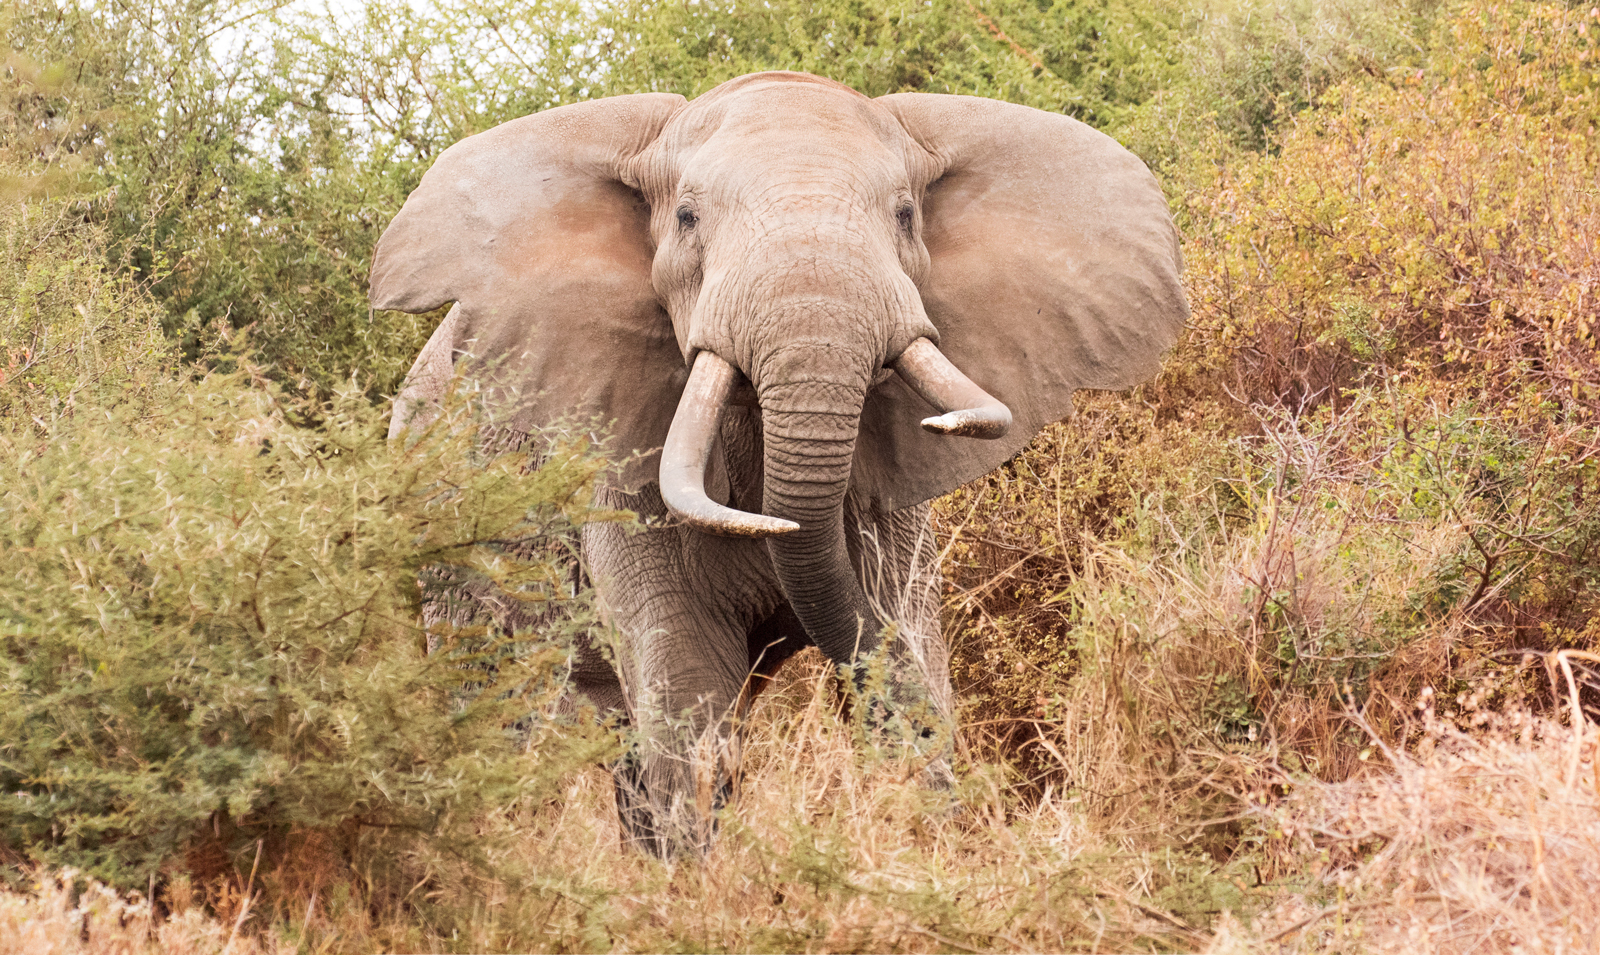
(806, 235)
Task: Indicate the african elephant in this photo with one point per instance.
(765, 290)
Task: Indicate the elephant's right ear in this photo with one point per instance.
(531, 230)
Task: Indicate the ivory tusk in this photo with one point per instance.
(968, 410)
(688, 449)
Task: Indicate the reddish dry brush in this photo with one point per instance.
(1372, 466)
(1018, 542)
(1470, 841)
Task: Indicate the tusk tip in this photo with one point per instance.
(727, 522)
(757, 527)
(969, 424)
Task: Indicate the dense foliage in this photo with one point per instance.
(250, 154)
(1370, 467)
(211, 634)
(1367, 478)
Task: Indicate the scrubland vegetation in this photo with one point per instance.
(1290, 650)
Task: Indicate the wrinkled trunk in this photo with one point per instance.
(809, 430)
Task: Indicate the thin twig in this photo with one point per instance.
(1336, 909)
(249, 898)
(1000, 35)
(1578, 723)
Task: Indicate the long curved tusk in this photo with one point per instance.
(968, 410)
(688, 448)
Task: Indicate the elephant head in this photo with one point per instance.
(908, 287)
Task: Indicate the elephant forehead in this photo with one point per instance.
(822, 185)
(813, 171)
(780, 92)
(796, 115)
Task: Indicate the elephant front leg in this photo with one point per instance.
(897, 558)
(682, 663)
(687, 741)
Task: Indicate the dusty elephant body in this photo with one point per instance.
(809, 312)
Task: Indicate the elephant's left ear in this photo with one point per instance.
(1054, 266)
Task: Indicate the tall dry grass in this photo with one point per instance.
(834, 844)
(60, 917)
(1482, 841)
(1488, 841)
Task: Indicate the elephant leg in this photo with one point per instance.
(684, 604)
(691, 685)
(633, 804)
(595, 682)
(898, 560)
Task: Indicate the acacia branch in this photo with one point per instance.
(999, 34)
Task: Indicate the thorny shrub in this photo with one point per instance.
(70, 329)
(212, 658)
(1370, 467)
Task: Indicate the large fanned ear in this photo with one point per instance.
(1054, 267)
(530, 230)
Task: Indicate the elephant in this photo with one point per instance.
(804, 313)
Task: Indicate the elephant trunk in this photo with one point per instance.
(811, 410)
(809, 435)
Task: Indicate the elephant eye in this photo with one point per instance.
(904, 215)
(687, 218)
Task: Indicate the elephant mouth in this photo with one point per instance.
(964, 409)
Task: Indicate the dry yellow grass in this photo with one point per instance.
(1482, 842)
(835, 845)
(1487, 842)
(57, 919)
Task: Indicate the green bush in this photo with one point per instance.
(234, 190)
(72, 331)
(1090, 59)
(1409, 225)
(211, 636)
(1244, 69)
